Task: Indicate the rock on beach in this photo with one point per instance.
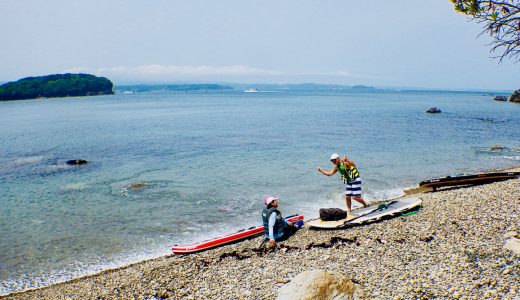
(513, 244)
(318, 284)
(453, 248)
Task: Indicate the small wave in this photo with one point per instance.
(505, 157)
(511, 157)
(499, 153)
(29, 281)
(76, 186)
(140, 186)
(491, 120)
(379, 195)
(25, 160)
(52, 169)
(12, 164)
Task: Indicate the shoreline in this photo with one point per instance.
(452, 247)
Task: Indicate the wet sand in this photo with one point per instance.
(452, 248)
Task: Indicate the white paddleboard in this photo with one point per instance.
(370, 214)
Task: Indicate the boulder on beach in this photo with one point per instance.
(75, 162)
(513, 244)
(433, 110)
(318, 284)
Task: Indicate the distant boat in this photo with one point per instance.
(251, 90)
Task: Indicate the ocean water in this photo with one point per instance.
(171, 168)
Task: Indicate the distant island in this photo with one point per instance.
(139, 88)
(57, 85)
(303, 87)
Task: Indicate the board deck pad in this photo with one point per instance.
(367, 214)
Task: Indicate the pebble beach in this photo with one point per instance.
(452, 249)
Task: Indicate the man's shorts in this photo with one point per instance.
(354, 188)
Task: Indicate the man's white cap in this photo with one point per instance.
(269, 199)
(334, 156)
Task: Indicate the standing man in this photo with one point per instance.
(276, 228)
(349, 175)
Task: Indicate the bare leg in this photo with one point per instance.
(360, 200)
(348, 203)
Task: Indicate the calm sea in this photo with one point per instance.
(171, 168)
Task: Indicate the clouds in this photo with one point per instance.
(174, 70)
(171, 73)
(396, 43)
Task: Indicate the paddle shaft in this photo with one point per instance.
(370, 212)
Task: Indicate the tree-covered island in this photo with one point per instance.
(57, 85)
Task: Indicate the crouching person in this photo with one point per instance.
(276, 228)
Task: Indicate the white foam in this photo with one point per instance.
(386, 194)
(27, 160)
(79, 269)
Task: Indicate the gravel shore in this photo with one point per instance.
(452, 248)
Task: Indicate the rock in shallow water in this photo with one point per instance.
(433, 110)
(75, 162)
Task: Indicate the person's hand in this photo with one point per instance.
(272, 243)
(320, 170)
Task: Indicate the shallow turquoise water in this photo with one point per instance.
(203, 161)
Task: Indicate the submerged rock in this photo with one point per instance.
(433, 110)
(137, 185)
(497, 148)
(500, 98)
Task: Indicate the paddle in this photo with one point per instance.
(379, 208)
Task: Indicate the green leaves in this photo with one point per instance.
(468, 7)
(58, 85)
(498, 18)
(474, 7)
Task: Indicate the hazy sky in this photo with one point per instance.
(400, 43)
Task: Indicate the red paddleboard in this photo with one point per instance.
(237, 236)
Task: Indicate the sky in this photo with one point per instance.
(398, 43)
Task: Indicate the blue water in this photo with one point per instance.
(201, 162)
